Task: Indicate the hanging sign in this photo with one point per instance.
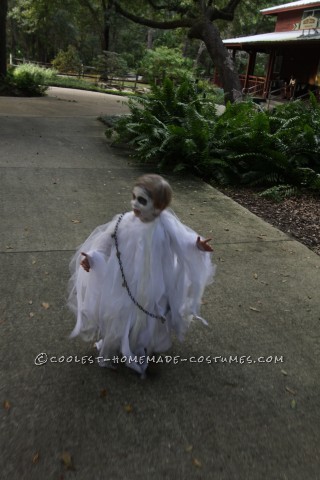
(309, 22)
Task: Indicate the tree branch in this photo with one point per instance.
(179, 23)
(226, 13)
(173, 8)
(228, 10)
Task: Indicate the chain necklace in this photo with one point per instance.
(124, 281)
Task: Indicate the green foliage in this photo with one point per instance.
(164, 62)
(179, 129)
(267, 149)
(30, 80)
(173, 126)
(110, 64)
(67, 61)
(279, 193)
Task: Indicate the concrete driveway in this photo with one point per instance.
(241, 402)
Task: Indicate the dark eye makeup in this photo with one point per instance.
(142, 200)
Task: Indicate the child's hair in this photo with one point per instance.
(157, 188)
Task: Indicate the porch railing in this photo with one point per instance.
(255, 85)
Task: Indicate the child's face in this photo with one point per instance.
(142, 205)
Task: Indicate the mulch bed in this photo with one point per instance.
(298, 216)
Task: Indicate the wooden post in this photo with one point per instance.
(267, 84)
(250, 69)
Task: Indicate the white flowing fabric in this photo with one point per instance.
(165, 272)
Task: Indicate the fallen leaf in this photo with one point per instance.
(35, 458)
(284, 372)
(30, 302)
(293, 403)
(45, 305)
(255, 309)
(67, 460)
(128, 408)
(255, 275)
(9, 247)
(189, 448)
(291, 391)
(196, 463)
(31, 314)
(103, 393)
(34, 262)
(6, 405)
(76, 221)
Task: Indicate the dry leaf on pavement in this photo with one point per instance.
(67, 460)
(196, 463)
(293, 392)
(35, 458)
(103, 393)
(255, 309)
(6, 405)
(293, 403)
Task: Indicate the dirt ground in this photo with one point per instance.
(298, 216)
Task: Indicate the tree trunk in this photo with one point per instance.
(106, 26)
(209, 34)
(201, 49)
(106, 35)
(3, 37)
(150, 38)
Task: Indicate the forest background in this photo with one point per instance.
(120, 36)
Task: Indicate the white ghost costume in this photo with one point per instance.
(133, 306)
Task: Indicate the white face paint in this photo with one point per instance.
(142, 205)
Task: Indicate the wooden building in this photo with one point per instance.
(292, 52)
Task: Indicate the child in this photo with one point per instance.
(139, 278)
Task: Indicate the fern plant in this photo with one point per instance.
(173, 127)
(178, 130)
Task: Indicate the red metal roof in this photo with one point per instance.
(275, 37)
(300, 5)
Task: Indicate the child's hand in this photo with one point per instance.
(85, 262)
(203, 245)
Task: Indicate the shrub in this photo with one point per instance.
(67, 61)
(30, 79)
(164, 62)
(172, 126)
(180, 130)
(271, 149)
(110, 64)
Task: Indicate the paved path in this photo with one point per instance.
(194, 420)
